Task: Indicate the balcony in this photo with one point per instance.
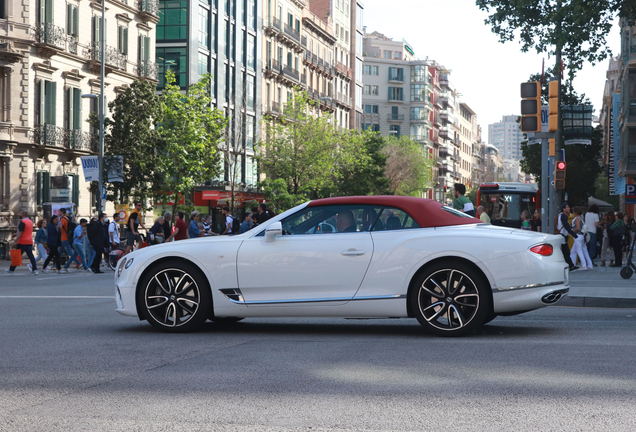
(444, 133)
(443, 152)
(147, 69)
(273, 109)
(51, 39)
(291, 37)
(396, 78)
(420, 138)
(444, 116)
(272, 68)
(395, 117)
(114, 59)
(343, 99)
(55, 136)
(290, 74)
(272, 27)
(148, 10)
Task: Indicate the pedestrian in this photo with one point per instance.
(167, 228)
(132, 228)
(67, 227)
(579, 248)
(53, 240)
(461, 202)
(592, 222)
(627, 238)
(156, 232)
(106, 238)
(95, 234)
(245, 225)
(263, 213)
(41, 239)
(525, 221)
(113, 232)
(78, 244)
(193, 228)
(536, 221)
(89, 250)
(207, 225)
(180, 228)
(255, 220)
(565, 229)
(606, 245)
(616, 232)
(228, 221)
(482, 215)
(25, 242)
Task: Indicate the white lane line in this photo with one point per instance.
(60, 297)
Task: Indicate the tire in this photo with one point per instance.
(626, 272)
(174, 297)
(455, 311)
(111, 262)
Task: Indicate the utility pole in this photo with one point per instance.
(554, 200)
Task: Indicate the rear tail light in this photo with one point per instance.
(544, 249)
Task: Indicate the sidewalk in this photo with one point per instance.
(601, 287)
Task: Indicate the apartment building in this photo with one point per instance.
(49, 56)
(467, 136)
(357, 54)
(223, 38)
(506, 136)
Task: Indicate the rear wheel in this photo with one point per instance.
(174, 297)
(451, 299)
(111, 262)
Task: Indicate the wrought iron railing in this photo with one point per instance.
(293, 33)
(148, 69)
(50, 34)
(80, 140)
(291, 72)
(49, 135)
(112, 54)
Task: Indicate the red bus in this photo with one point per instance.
(505, 201)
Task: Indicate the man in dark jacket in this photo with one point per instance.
(96, 239)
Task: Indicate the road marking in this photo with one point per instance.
(60, 297)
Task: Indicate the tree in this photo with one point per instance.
(191, 130)
(576, 28)
(365, 176)
(131, 133)
(409, 167)
(233, 151)
(582, 160)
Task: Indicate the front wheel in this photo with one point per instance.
(111, 262)
(451, 299)
(175, 297)
(626, 272)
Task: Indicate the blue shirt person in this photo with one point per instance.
(193, 229)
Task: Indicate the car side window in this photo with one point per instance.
(394, 219)
(333, 219)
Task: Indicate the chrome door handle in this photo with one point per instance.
(352, 252)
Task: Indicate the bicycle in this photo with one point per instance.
(115, 255)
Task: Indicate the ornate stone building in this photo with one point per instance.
(49, 57)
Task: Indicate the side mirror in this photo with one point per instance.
(272, 231)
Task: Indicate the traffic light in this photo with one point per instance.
(559, 175)
(531, 106)
(553, 106)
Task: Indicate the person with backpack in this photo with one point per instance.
(579, 247)
(67, 228)
(53, 240)
(232, 225)
(25, 242)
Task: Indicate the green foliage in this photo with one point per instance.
(580, 27)
(409, 167)
(278, 196)
(601, 191)
(191, 130)
(131, 133)
(472, 195)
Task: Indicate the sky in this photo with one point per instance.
(486, 72)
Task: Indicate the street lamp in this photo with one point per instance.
(100, 98)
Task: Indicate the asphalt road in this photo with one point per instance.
(70, 362)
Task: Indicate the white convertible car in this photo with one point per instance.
(350, 257)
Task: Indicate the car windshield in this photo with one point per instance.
(505, 208)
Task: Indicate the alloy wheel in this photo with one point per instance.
(448, 300)
(172, 297)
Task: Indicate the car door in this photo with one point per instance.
(312, 262)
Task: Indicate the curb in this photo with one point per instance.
(598, 302)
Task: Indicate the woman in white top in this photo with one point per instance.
(578, 248)
(592, 222)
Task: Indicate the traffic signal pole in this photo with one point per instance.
(545, 184)
(555, 197)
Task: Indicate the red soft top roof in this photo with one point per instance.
(427, 213)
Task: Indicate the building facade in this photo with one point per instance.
(223, 38)
(506, 135)
(357, 55)
(49, 57)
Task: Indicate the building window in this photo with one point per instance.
(396, 93)
(418, 92)
(371, 109)
(250, 52)
(173, 20)
(371, 90)
(73, 108)
(251, 13)
(418, 113)
(46, 105)
(5, 94)
(366, 126)
(174, 59)
(204, 24)
(249, 91)
(72, 19)
(45, 14)
(249, 132)
(395, 130)
(122, 39)
(203, 64)
(367, 70)
(396, 74)
(251, 172)
(375, 127)
(387, 54)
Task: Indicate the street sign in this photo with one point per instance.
(630, 194)
(123, 210)
(103, 192)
